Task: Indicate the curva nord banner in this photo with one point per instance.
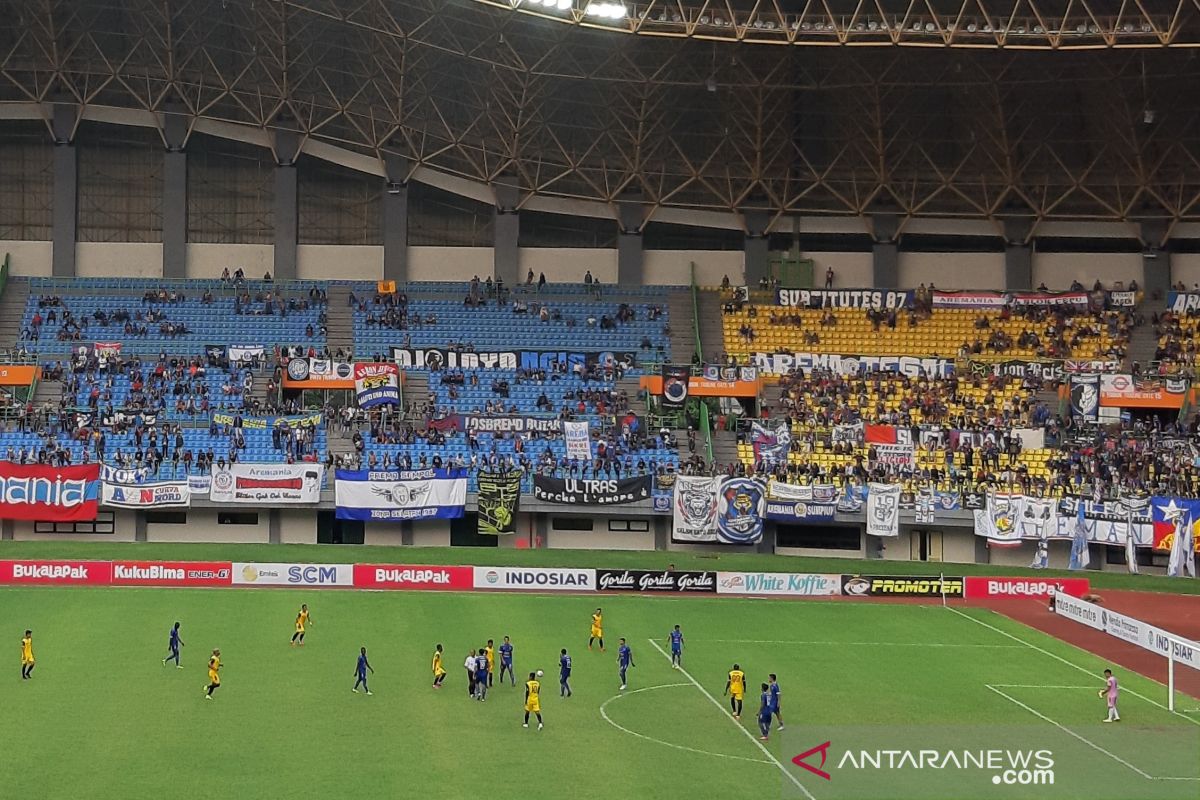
(499, 500)
(166, 494)
(587, 492)
(51, 494)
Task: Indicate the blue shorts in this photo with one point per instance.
(505, 665)
(676, 651)
(481, 677)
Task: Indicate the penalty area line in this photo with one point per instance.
(737, 724)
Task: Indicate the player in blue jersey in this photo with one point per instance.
(481, 675)
(624, 660)
(506, 662)
(764, 713)
(775, 691)
(173, 645)
(564, 674)
(360, 671)
(676, 648)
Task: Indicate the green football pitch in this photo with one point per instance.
(103, 718)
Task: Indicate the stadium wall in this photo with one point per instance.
(326, 261)
(600, 540)
(568, 264)
(674, 267)
(850, 270)
(124, 530)
(952, 270)
(31, 259)
(204, 525)
(1057, 270)
(119, 259)
(208, 260)
(1185, 267)
(430, 263)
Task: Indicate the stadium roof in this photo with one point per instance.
(1056, 121)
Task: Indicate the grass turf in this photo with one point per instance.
(494, 556)
(102, 718)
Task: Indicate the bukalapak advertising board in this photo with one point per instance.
(666, 582)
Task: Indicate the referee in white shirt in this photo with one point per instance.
(469, 665)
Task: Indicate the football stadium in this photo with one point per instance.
(738, 399)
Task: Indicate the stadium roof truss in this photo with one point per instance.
(1046, 109)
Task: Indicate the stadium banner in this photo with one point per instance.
(215, 352)
(843, 298)
(800, 512)
(990, 588)
(18, 374)
(1085, 396)
(172, 573)
(199, 484)
(815, 493)
(912, 366)
(640, 580)
(436, 360)
(1126, 299)
(397, 495)
(591, 492)
(412, 577)
(1077, 365)
(111, 474)
(1183, 302)
(44, 493)
(318, 373)
(376, 385)
(740, 507)
(265, 423)
(1104, 521)
(317, 576)
(1165, 512)
(167, 494)
(1017, 368)
(479, 423)
(535, 579)
(883, 586)
(1130, 629)
(499, 500)
(106, 349)
(883, 509)
(990, 300)
(771, 441)
(675, 379)
(695, 509)
(719, 372)
(1075, 299)
(53, 573)
(245, 352)
(267, 483)
(783, 584)
(1125, 391)
(997, 521)
(577, 436)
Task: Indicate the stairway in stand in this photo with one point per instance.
(12, 312)
(339, 321)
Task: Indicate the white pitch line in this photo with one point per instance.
(623, 729)
(1086, 741)
(1060, 659)
(1036, 686)
(862, 644)
(738, 725)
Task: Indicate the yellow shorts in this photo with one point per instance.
(26, 661)
(214, 678)
(597, 633)
(439, 672)
(534, 708)
(739, 696)
(299, 629)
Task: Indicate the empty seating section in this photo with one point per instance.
(942, 332)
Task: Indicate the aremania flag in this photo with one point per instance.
(883, 509)
(1133, 505)
(577, 436)
(1080, 556)
(1183, 556)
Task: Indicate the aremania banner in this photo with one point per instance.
(51, 494)
(400, 495)
(799, 512)
(376, 385)
(267, 483)
(577, 437)
(499, 501)
(168, 494)
(695, 509)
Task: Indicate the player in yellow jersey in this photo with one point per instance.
(533, 700)
(597, 630)
(302, 621)
(439, 672)
(490, 652)
(214, 674)
(735, 687)
(27, 656)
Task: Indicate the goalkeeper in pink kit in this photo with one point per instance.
(1110, 692)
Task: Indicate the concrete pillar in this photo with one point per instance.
(1018, 255)
(139, 527)
(6, 530)
(65, 203)
(757, 256)
(507, 232)
(406, 528)
(395, 220)
(885, 254)
(630, 253)
(287, 224)
(175, 208)
(662, 531)
(274, 526)
(1156, 260)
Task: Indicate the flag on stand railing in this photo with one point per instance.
(1183, 556)
(1080, 556)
